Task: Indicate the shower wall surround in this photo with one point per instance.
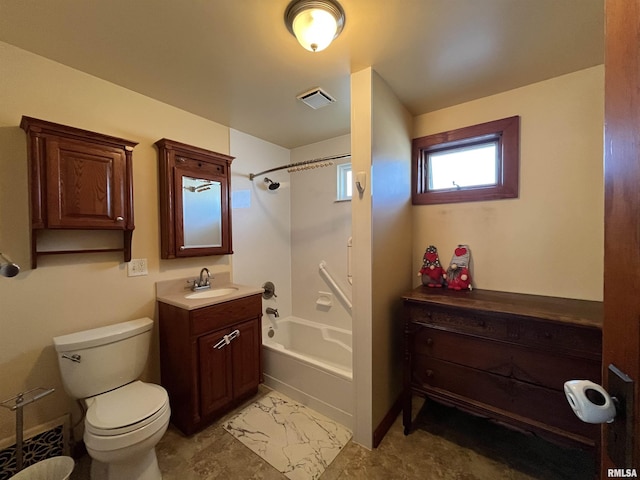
(320, 229)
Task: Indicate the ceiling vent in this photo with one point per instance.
(316, 98)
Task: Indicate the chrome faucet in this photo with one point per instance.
(273, 311)
(202, 283)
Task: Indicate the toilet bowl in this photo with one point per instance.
(122, 428)
(125, 417)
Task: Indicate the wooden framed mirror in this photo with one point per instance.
(195, 203)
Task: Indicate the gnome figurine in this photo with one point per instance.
(433, 275)
(458, 273)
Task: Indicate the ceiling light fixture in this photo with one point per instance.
(315, 23)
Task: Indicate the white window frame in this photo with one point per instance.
(344, 188)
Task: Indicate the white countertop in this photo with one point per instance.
(174, 292)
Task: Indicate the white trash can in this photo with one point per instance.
(55, 468)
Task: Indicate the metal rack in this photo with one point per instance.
(16, 404)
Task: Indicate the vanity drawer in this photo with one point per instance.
(463, 349)
(473, 323)
(221, 315)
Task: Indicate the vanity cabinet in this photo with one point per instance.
(195, 202)
(204, 375)
(502, 355)
(78, 180)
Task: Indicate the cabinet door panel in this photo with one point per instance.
(246, 358)
(195, 212)
(202, 213)
(216, 388)
(85, 185)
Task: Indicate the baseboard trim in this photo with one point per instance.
(384, 426)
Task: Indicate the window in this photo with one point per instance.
(470, 164)
(345, 183)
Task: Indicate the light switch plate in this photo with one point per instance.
(137, 267)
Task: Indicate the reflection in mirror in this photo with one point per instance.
(201, 212)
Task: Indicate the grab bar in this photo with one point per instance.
(349, 246)
(332, 282)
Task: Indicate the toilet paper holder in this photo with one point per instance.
(591, 402)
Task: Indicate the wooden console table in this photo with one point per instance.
(504, 356)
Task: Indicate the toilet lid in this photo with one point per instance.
(133, 405)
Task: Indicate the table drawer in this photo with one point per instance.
(484, 325)
(496, 392)
(586, 341)
(551, 370)
(463, 349)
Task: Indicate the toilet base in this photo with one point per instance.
(139, 468)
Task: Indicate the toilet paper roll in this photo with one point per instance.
(589, 401)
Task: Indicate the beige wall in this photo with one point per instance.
(391, 248)
(361, 148)
(74, 292)
(549, 241)
(381, 223)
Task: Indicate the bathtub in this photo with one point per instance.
(312, 364)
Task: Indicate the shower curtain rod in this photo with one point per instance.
(301, 164)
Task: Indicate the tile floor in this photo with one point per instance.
(455, 446)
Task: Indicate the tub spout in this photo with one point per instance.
(273, 311)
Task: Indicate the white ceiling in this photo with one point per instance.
(234, 62)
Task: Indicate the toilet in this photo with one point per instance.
(125, 418)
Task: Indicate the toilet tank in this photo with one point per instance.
(105, 358)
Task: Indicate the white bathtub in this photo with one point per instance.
(310, 363)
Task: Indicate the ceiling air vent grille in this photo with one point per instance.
(316, 98)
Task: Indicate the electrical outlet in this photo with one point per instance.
(137, 267)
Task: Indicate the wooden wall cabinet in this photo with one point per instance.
(205, 378)
(78, 180)
(503, 355)
(195, 200)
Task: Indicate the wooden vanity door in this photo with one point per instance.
(216, 387)
(85, 185)
(246, 358)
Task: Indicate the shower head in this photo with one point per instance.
(271, 184)
(8, 269)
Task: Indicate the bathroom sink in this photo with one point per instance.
(214, 292)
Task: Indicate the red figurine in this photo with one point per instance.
(459, 271)
(433, 275)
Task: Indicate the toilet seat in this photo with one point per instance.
(125, 409)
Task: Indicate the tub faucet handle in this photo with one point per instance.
(273, 311)
(269, 290)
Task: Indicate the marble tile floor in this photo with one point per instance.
(444, 452)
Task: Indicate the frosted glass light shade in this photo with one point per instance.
(315, 29)
(315, 23)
